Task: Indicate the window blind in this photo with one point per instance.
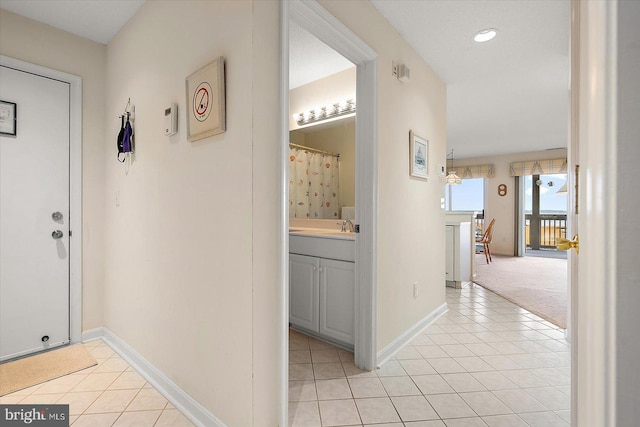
(475, 171)
(539, 167)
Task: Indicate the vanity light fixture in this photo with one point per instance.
(327, 112)
(452, 178)
(485, 35)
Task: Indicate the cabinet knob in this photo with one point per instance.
(315, 268)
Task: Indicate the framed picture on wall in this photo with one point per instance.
(8, 118)
(206, 101)
(418, 156)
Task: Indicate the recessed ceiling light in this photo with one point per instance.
(485, 35)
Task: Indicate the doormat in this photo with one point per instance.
(27, 372)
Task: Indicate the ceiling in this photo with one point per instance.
(97, 20)
(310, 59)
(508, 95)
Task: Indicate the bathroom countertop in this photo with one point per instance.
(323, 233)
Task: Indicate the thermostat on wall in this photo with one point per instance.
(171, 119)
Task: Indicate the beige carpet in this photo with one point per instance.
(536, 284)
(23, 373)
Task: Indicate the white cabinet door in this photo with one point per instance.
(337, 288)
(304, 291)
(450, 252)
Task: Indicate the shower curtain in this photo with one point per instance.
(313, 185)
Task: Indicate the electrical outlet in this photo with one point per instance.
(415, 290)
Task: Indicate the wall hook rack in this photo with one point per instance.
(127, 110)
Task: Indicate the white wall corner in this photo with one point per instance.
(396, 345)
(190, 408)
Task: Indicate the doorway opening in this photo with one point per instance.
(314, 19)
(322, 206)
(545, 214)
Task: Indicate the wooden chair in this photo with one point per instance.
(485, 240)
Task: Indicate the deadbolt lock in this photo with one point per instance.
(56, 216)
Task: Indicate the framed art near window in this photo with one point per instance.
(8, 118)
(206, 101)
(418, 156)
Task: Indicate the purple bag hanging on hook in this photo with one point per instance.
(125, 143)
(126, 138)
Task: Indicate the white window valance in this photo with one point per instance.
(475, 171)
(539, 167)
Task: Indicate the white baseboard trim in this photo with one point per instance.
(396, 345)
(92, 334)
(191, 409)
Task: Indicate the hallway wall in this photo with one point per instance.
(191, 274)
(31, 41)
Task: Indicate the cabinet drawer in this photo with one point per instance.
(340, 249)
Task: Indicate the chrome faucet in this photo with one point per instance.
(344, 225)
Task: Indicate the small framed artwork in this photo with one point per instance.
(418, 156)
(206, 101)
(8, 118)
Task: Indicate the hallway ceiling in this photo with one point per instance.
(508, 95)
(97, 20)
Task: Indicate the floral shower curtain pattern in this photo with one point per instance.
(313, 185)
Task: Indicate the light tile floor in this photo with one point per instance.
(486, 362)
(109, 394)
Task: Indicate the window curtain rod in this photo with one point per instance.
(315, 150)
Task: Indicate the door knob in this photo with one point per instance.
(56, 216)
(565, 245)
(57, 234)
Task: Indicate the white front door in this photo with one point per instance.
(34, 215)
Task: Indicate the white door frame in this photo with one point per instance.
(75, 185)
(593, 279)
(320, 23)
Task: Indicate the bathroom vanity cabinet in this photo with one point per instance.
(322, 288)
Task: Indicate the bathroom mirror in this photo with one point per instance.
(322, 170)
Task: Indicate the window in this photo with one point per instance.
(551, 202)
(468, 196)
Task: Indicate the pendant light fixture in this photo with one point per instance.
(452, 178)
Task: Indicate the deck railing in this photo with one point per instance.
(480, 222)
(552, 227)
